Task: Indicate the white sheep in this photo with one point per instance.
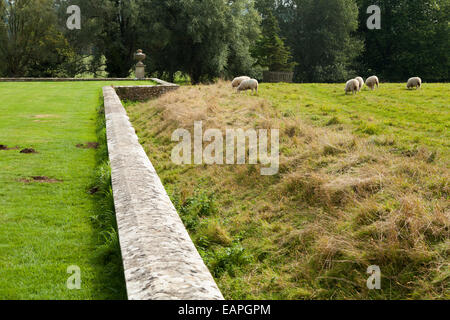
(414, 82)
(237, 81)
(352, 86)
(372, 81)
(361, 82)
(249, 84)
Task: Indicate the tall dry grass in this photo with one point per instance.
(340, 202)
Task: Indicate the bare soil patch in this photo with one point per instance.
(93, 190)
(88, 145)
(41, 116)
(28, 150)
(4, 147)
(41, 179)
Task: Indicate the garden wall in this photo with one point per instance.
(159, 258)
(143, 93)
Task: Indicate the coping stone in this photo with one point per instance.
(159, 258)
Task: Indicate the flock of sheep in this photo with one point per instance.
(355, 85)
(244, 83)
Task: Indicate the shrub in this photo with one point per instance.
(200, 204)
(226, 259)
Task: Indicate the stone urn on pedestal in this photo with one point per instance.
(140, 66)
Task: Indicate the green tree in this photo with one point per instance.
(31, 44)
(322, 36)
(414, 40)
(87, 43)
(119, 35)
(208, 31)
(270, 49)
(3, 34)
(246, 30)
(204, 39)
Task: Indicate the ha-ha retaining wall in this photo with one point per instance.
(159, 258)
(144, 92)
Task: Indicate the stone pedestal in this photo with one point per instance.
(140, 67)
(140, 70)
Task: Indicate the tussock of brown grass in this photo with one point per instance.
(340, 202)
(413, 223)
(347, 188)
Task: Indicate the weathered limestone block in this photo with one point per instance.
(159, 258)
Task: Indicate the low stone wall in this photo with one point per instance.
(143, 93)
(159, 258)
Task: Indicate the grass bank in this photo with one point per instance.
(363, 181)
(51, 216)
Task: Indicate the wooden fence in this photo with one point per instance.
(272, 76)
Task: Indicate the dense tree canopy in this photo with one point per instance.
(326, 40)
(31, 42)
(246, 29)
(204, 39)
(190, 36)
(3, 35)
(270, 49)
(321, 35)
(414, 40)
(119, 34)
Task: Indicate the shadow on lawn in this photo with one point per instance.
(107, 253)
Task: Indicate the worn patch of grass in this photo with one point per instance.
(363, 181)
(46, 227)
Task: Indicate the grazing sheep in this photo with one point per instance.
(361, 82)
(372, 81)
(249, 84)
(352, 86)
(414, 82)
(237, 81)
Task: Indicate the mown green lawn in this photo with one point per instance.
(47, 227)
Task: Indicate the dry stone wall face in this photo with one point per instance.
(142, 93)
(160, 260)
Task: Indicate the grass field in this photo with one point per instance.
(363, 180)
(46, 226)
(413, 117)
